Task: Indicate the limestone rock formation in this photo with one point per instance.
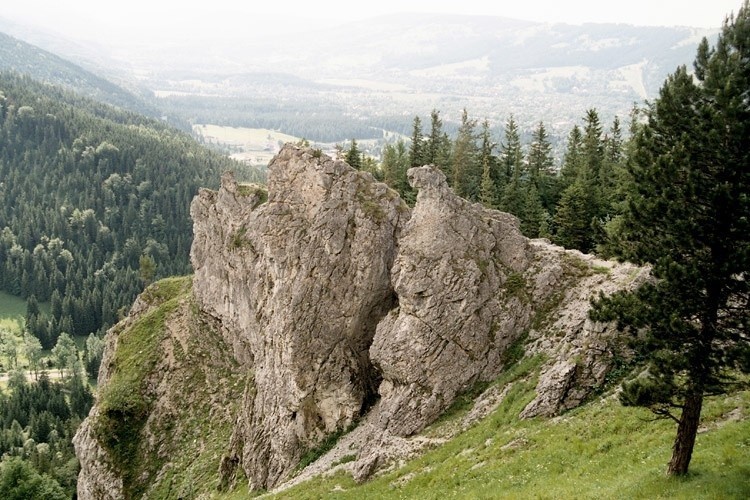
(469, 285)
(299, 283)
(338, 304)
(457, 313)
(165, 402)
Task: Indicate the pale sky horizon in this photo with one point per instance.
(106, 22)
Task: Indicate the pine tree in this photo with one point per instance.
(416, 149)
(689, 218)
(467, 173)
(353, 156)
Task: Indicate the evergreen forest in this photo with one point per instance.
(575, 201)
(94, 204)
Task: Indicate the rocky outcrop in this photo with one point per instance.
(458, 311)
(98, 478)
(470, 285)
(165, 402)
(339, 304)
(299, 285)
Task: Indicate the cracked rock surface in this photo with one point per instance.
(299, 284)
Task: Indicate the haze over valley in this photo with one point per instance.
(367, 79)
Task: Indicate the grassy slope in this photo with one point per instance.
(602, 450)
(178, 455)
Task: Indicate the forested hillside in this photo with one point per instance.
(93, 204)
(21, 57)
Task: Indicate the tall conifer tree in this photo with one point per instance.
(416, 149)
(689, 218)
(467, 172)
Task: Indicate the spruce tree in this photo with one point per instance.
(612, 160)
(487, 189)
(488, 193)
(689, 218)
(437, 151)
(467, 173)
(573, 218)
(353, 156)
(571, 166)
(534, 218)
(512, 171)
(511, 155)
(416, 149)
(541, 167)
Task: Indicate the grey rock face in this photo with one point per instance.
(98, 478)
(299, 285)
(579, 352)
(469, 285)
(455, 316)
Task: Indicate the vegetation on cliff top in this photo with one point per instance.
(179, 454)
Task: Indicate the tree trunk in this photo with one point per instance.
(682, 451)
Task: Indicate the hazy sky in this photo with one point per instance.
(103, 20)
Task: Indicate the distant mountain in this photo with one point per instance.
(497, 54)
(21, 57)
(374, 76)
(409, 64)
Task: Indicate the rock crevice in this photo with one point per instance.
(307, 282)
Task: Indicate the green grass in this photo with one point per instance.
(602, 450)
(245, 190)
(12, 312)
(323, 447)
(197, 439)
(515, 285)
(238, 238)
(12, 318)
